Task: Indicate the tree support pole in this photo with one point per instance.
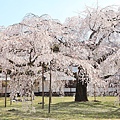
(5, 89)
(49, 90)
(43, 86)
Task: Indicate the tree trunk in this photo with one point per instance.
(81, 92)
(81, 85)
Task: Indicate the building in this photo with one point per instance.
(61, 84)
(3, 84)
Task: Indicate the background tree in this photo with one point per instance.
(103, 39)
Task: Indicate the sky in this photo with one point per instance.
(13, 11)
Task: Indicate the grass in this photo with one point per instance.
(63, 108)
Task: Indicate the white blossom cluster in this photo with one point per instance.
(36, 40)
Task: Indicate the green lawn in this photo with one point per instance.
(63, 108)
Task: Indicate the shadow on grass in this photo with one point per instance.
(67, 111)
(87, 109)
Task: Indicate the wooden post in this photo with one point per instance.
(5, 89)
(10, 101)
(118, 89)
(50, 90)
(43, 86)
(94, 92)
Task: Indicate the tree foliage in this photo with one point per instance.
(90, 41)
